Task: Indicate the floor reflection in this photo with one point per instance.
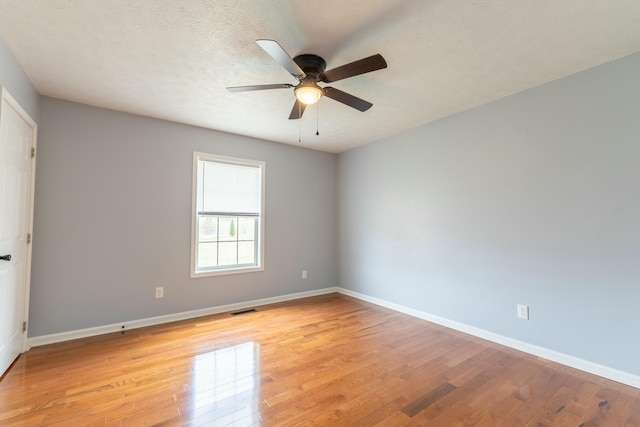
(226, 386)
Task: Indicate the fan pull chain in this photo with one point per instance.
(317, 119)
(299, 124)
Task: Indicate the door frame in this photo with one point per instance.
(6, 96)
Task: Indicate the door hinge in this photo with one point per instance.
(24, 326)
(33, 152)
(28, 238)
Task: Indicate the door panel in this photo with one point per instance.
(17, 137)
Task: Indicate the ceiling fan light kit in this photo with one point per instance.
(309, 69)
(308, 94)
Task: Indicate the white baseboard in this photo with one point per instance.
(140, 323)
(564, 359)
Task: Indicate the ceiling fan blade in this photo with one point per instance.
(259, 87)
(281, 56)
(297, 110)
(362, 66)
(347, 99)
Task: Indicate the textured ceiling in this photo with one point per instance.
(173, 59)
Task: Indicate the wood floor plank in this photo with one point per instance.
(328, 360)
(417, 406)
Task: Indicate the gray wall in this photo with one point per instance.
(113, 217)
(533, 199)
(13, 78)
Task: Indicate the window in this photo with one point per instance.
(227, 224)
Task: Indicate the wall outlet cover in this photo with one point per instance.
(523, 311)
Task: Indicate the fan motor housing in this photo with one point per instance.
(312, 65)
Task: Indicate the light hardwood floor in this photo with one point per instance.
(322, 361)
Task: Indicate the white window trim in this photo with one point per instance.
(194, 222)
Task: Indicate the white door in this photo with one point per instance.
(17, 138)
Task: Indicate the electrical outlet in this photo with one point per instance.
(160, 292)
(304, 274)
(523, 311)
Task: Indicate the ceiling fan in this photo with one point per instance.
(309, 69)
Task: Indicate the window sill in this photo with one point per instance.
(196, 275)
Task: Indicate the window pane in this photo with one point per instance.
(207, 255)
(247, 228)
(246, 253)
(228, 253)
(228, 229)
(207, 228)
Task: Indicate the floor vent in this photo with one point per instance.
(236, 313)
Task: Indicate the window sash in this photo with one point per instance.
(213, 257)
